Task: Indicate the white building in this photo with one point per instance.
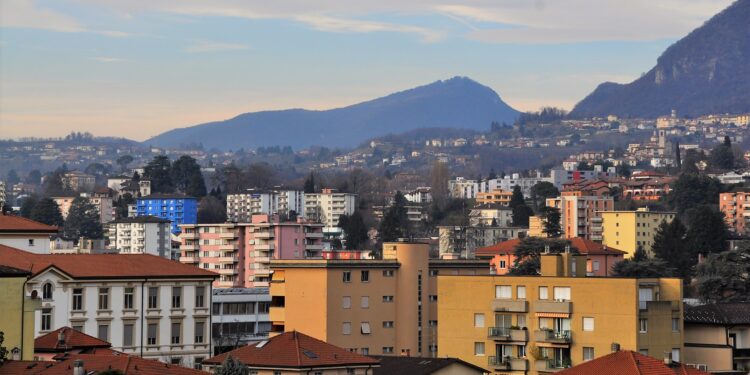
(144, 305)
(2, 194)
(240, 316)
(25, 234)
(241, 207)
(140, 235)
(420, 195)
(327, 206)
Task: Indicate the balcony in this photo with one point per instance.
(551, 365)
(190, 236)
(741, 353)
(314, 234)
(510, 305)
(261, 272)
(228, 234)
(507, 363)
(263, 259)
(227, 259)
(276, 314)
(507, 334)
(190, 259)
(229, 247)
(264, 247)
(314, 247)
(225, 284)
(553, 337)
(227, 271)
(193, 247)
(565, 307)
(264, 235)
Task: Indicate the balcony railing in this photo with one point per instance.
(552, 365)
(507, 334)
(557, 337)
(509, 305)
(507, 363)
(741, 353)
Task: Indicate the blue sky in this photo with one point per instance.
(139, 67)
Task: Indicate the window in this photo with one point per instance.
(365, 351)
(153, 329)
(675, 324)
(103, 332)
(77, 299)
(127, 302)
(200, 331)
(595, 265)
(176, 297)
(588, 324)
(643, 325)
(47, 291)
(365, 328)
(77, 328)
(103, 298)
(365, 302)
(176, 332)
(432, 323)
(216, 309)
(676, 354)
(153, 298)
(562, 293)
(200, 296)
(127, 335)
(433, 298)
(543, 292)
(434, 272)
(387, 350)
(31, 242)
(521, 319)
(388, 324)
(46, 319)
(347, 276)
(365, 276)
(479, 320)
(503, 264)
(503, 292)
(643, 351)
(521, 351)
(388, 273)
(521, 292)
(346, 302)
(387, 298)
(588, 353)
(478, 348)
(346, 328)
(175, 360)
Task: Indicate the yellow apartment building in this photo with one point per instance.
(17, 312)
(498, 196)
(626, 230)
(541, 324)
(373, 307)
(536, 227)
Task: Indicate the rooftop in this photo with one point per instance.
(65, 339)
(96, 363)
(399, 365)
(239, 291)
(15, 224)
(629, 363)
(583, 246)
(719, 313)
(166, 196)
(140, 219)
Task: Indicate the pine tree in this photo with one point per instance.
(670, 246)
(159, 171)
(309, 187)
(232, 367)
(48, 212)
(551, 218)
(82, 221)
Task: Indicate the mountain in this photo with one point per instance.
(454, 103)
(708, 71)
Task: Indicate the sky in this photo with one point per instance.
(136, 68)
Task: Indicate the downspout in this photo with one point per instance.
(23, 312)
(143, 307)
(210, 317)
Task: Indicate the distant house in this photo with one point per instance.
(400, 365)
(631, 363)
(716, 336)
(64, 342)
(25, 234)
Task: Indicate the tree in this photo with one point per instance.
(692, 189)
(677, 155)
(122, 203)
(551, 219)
(123, 162)
(34, 177)
(187, 177)
(395, 223)
(159, 171)
(82, 221)
(521, 215)
(541, 191)
(671, 247)
(12, 178)
(722, 156)
(725, 277)
(27, 206)
(53, 184)
(642, 268)
(211, 211)
(528, 252)
(439, 183)
(309, 187)
(690, 162)
(517, 198)
(707, 231)
(355, 231)
(48, 212)
(232, 367)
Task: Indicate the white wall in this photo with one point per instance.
(40, 246)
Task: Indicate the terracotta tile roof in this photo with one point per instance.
(6, 271)
(719, 313)
(12, 223)
(128, 365)
(71, 339)
(293, 350)
(95, 266)
(629, 363)
(398, 365)
(583, 245)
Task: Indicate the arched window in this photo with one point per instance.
(47, 291)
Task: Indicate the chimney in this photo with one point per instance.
(78, 367)
(615, 347)
(567, 249)
(61, 337)
(668, 358)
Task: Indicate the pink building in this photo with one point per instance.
(241, 252)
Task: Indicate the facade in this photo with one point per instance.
(17, 312)
(140, 235)
(627, 230)
(491, 215)
(178, 209)
(64, 202)
(541, 324)
(536, 227)
(717, 337)
(79, 181)
(103, 202)
(462, 241)
(420, 195)
(376, 307)
(142, 304)
(327, 206)
(241, 253)
(580, 215)
(734, 205)
(241, 207)
(650, 190)
(630, 362)
(3, 198)
(25, 234)
(497, 196)
(66, 341)
(297, 353)
(239, 317)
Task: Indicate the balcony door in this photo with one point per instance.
(504, 351)
(503, 320)
(561, 326)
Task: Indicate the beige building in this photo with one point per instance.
(717, 337)
(326, 207)
(375, 307)
(627, 230)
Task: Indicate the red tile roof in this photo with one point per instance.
(293, 350)
(583, 245)
(95, 266)
(128, 365)
(629, 363)
(14, 224)
(71, 339)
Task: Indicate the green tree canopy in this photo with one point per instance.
(187, 177)
(159, 171)
(211, 211)
(395, 223)
(27, 205)
(521, 214)
(529, 250)
(642, 268)
(707, 231)
(692, 189)
(48, 212)
(725, 276)
(670, 246)
(355, 231)
(82, 221)
(232, 367)
(550, 217)
(722, 156)
(541, 191)
(309, 187)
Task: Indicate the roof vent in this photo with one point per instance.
(261, 344)
(309, 354)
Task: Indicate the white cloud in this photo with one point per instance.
(109, 59)
(210, 46)
(28, 14)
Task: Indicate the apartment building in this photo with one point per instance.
(17, 311)
(458, 241)
(628, 230)
(580, 214)
(241, 252)
(496, 196)
(78, 181)
(491, 214)
(420, 195)
(734, 205)
(239, 317)
(140, 235)
(142, 304)
(3, 198)
(25, 234)
(102, 200)
(386, 306)
(326, 207)
(717, 337)
(541, 324)
(179, 209)
(241, 207)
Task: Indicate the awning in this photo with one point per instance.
(552, 315)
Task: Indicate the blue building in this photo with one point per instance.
(179, 209)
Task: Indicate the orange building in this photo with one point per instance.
(734, 205)
(580, 212)
(498, 196)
